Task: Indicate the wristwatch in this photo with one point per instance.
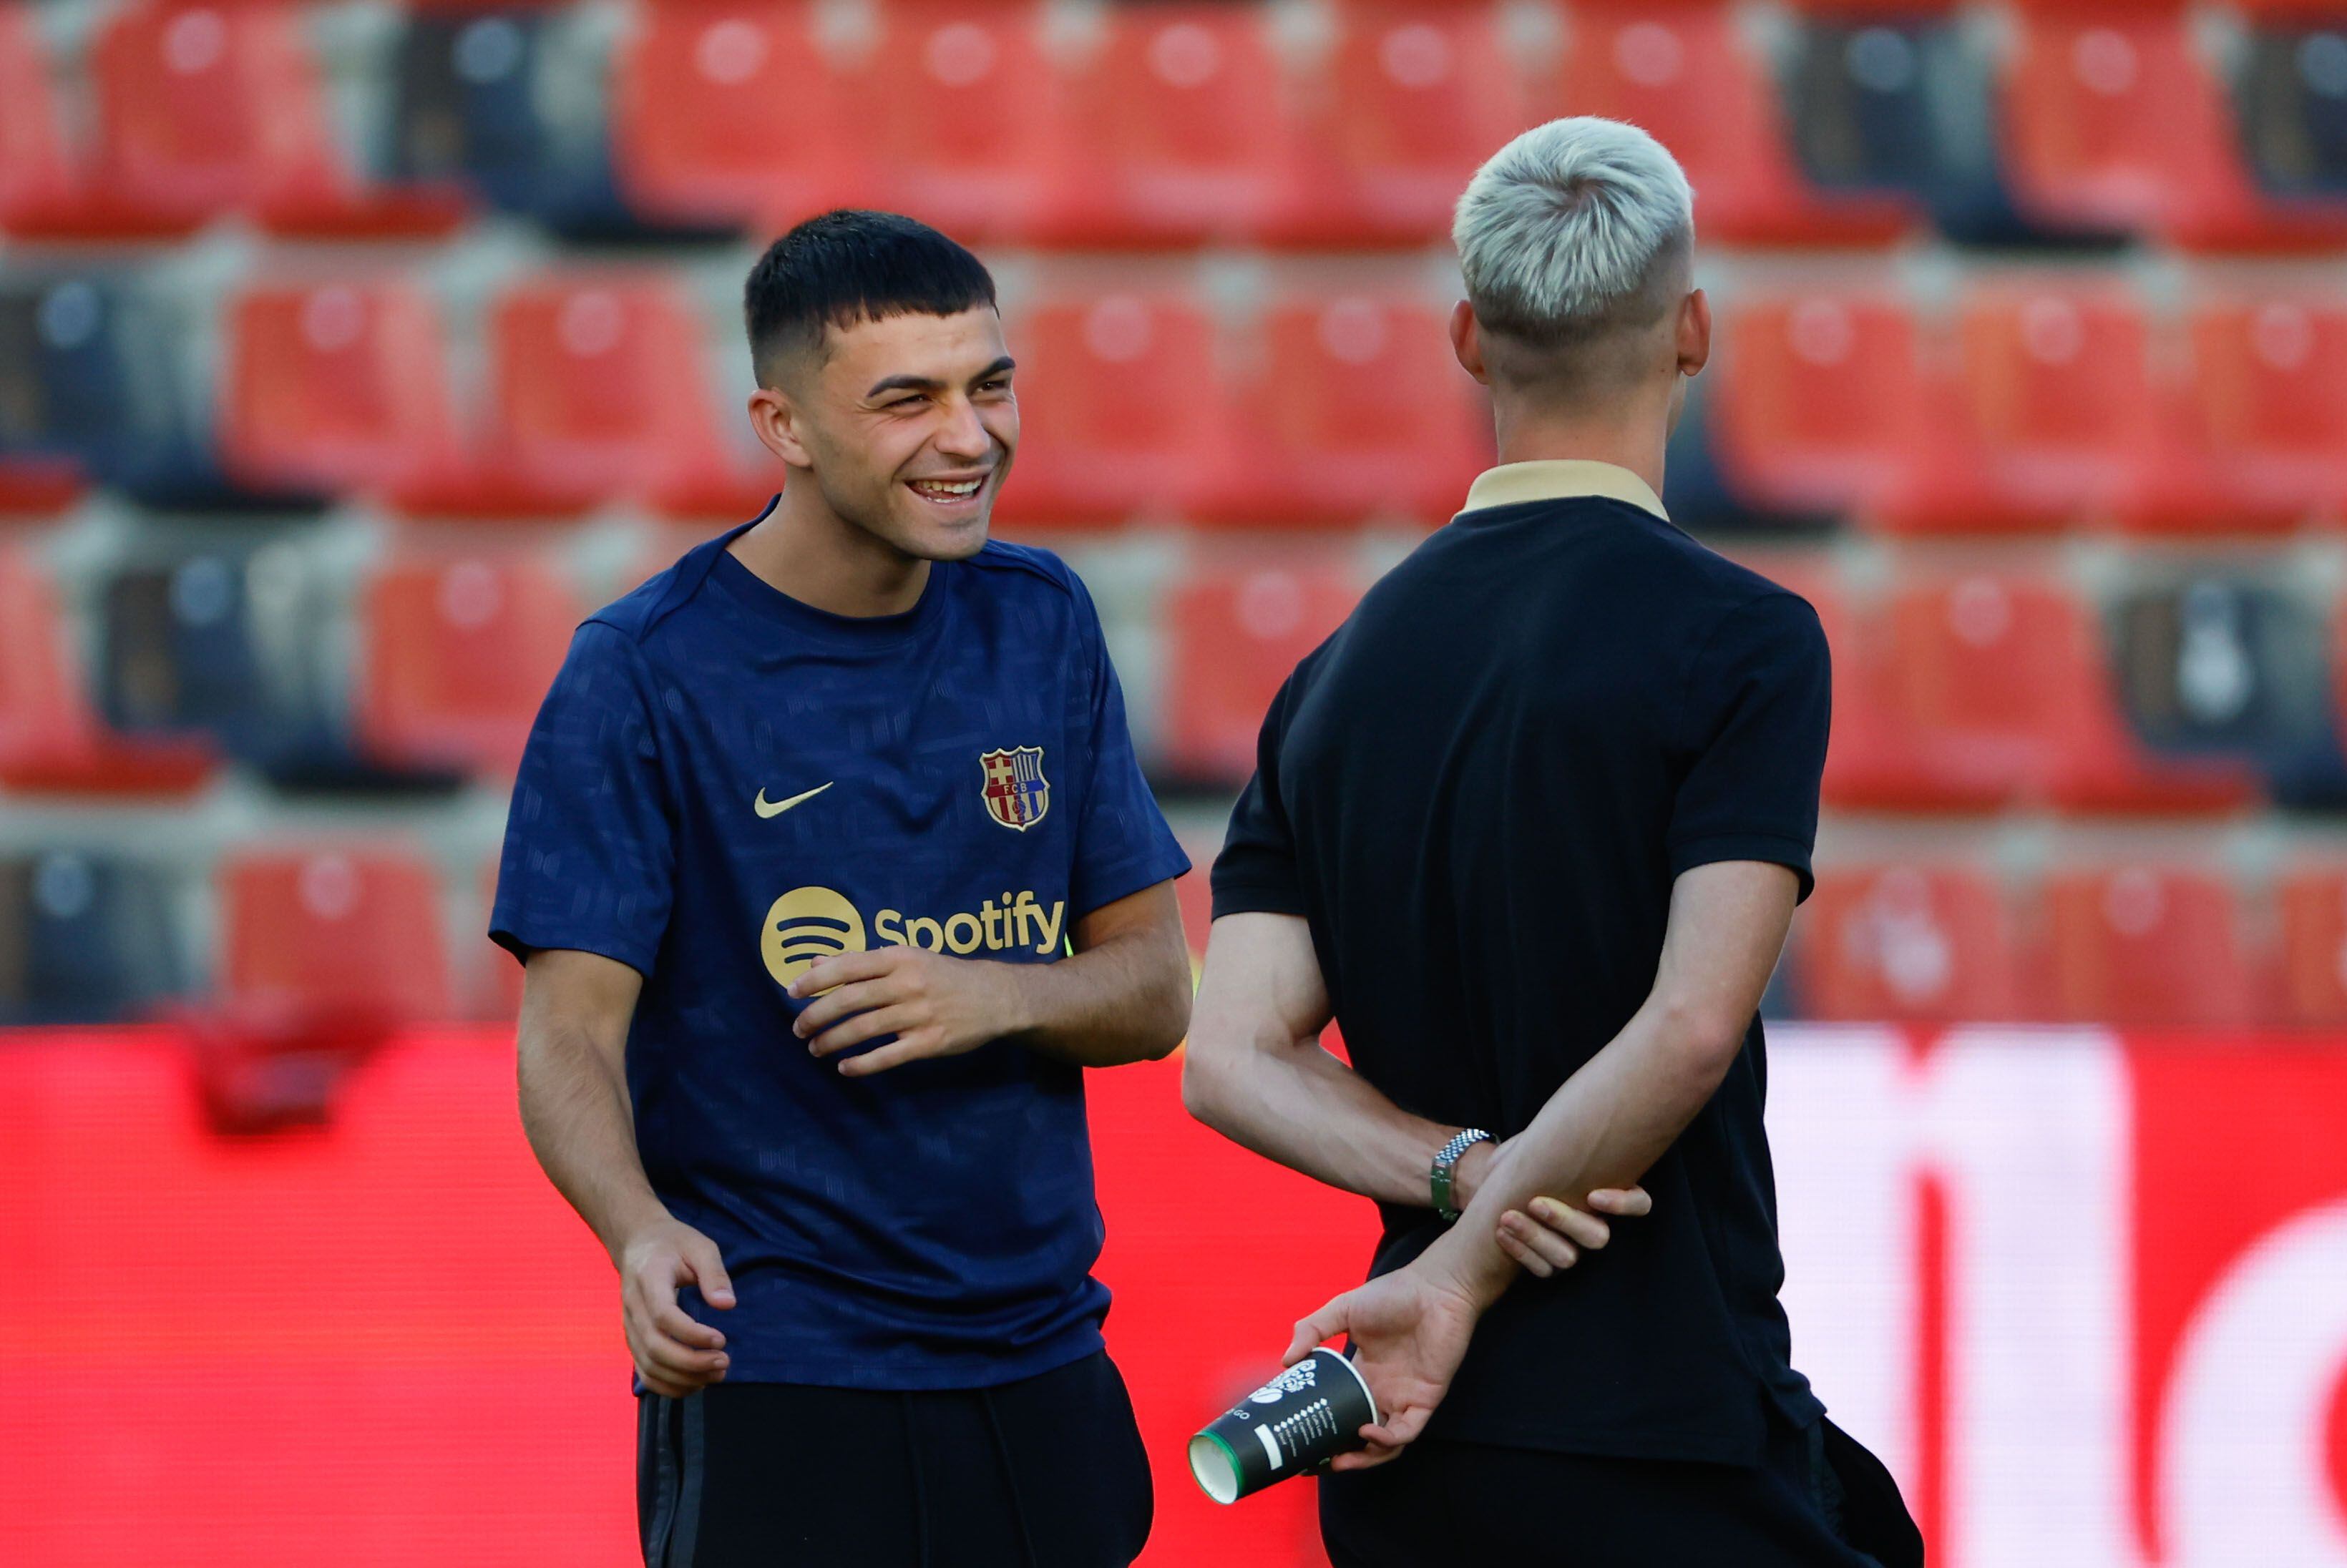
(1446, 1161)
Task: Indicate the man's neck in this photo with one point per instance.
(1635, 441)
(810, 552)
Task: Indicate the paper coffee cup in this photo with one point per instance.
(1297, 1422)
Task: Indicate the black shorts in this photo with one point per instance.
(1819, 1501)
(1044, 1472)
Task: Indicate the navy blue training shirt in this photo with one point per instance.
(726, 785)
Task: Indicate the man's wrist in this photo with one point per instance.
(1468, 1261)
(1016, 1009)
(640, 1219)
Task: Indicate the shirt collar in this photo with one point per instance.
(1560, 479)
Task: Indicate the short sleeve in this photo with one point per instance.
(1122, 842)
(589, 849)
(1255, 873)
(1760, 700)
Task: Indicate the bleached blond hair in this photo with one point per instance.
(1575, 227)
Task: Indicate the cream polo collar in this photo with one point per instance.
(1560, 479)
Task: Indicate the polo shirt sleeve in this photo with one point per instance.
(590, 850)
(1759, 699)
(1257, 872)
(1122, 842)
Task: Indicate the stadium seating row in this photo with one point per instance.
(88, 937)
(1177, 125)
(1326, 412)
(1956, 689)
(357, 930)
(2043, 400)
(457, 653)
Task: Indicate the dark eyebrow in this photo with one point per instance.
(931, 383)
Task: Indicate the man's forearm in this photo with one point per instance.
(1294, 1103)
(1617, 1116)
(1256, 1072)
(1125, 1000)
(575, 1112)
(1605, 1128)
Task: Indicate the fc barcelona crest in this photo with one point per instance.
(1016, 792)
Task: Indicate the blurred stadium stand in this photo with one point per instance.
(349, 350)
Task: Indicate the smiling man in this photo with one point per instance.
(833, 868)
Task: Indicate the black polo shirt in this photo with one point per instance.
(1478, 792)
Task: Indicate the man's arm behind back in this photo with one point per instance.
(1607, 1124)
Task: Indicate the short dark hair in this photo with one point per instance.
(850, 265)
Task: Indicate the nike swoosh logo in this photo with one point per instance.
(765, 808)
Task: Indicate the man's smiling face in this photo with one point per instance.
(909, 423)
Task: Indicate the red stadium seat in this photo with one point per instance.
(45, 191)
(1819, 406)
(1978, 691)
(599, 392)
(41, 190)
(730, 113)
(354, 932)
(1868, 755)
(2313, 902)
(205, 109)
(2142, 948)
(968, 118)
(1924, 944)
(1121, 410)
(1181, 129)
(1358, 409)
(51, 739)
(1415, 98)
(34, 175)
(338, 387)
(2269, 407)
(1678, 68)
(2051, 417)
(459, 654)
(1235, 635)
(2113, 122)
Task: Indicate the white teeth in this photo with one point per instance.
(937, 487)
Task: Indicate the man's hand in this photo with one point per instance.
(1548, 1234)
(1554, 1234)
(1410, 1327)
(1410, 1330)
(674, 1354)
(934, 1004)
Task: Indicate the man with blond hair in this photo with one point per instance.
(1532, 826)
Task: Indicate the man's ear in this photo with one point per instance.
(1694, 333)
(775, 418)
(1467, 341)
